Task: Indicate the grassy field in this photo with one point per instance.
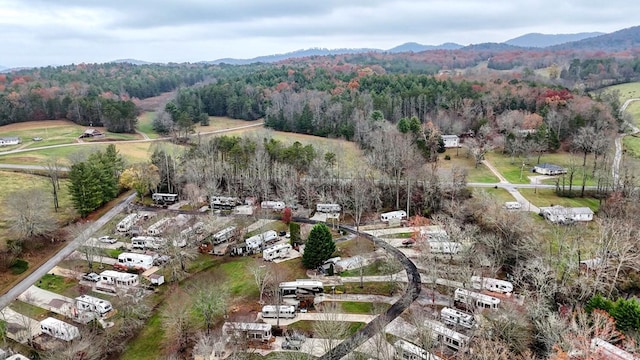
(627, 91)
(548, 197)
(459, 159)
(517, 174)
(500, 195)
(306, 327)
(147, 345)
(145, 124)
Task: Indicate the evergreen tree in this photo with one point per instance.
(318, 247)
(85, 188)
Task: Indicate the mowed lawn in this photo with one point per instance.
(627, 91)
(12, 182)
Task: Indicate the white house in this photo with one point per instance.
(561, 215)
(59, 329)
(6, 141)
(451, 141)
(549, 169)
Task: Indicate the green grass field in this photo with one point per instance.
(145, 124)
(517, 174)
(627, 91)
(147, 345)
(548, 197)
(459, 159)
(499, 194)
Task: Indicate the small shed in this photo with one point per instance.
(549, 169)
(91, 133)
(12, 140)
(451, 141)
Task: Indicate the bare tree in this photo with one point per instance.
(26, 214)
(177, 322)
(209, 302)
(330, 328)
(263, 275)
(89, 346)
(53, 171)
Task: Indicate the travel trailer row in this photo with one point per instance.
(255, 243)
(127, 223)
(159, 227)
(285, 311)
(472, 300)
(147, 242)
(446, 336)
(224, 235)
(247, 331)
(59, 329)
(495, 285)
(224, 202)
(456, 317)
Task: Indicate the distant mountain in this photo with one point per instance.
(291, 55)
(616, 41)
(131, 61)
(538, 40)
(3, 68)
(415, 47)
(491, 47)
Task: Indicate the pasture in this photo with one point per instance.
(627, 90)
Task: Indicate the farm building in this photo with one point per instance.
(91, 133)
(561, 215)
(451, 141)
(7, 141)
(549, 169)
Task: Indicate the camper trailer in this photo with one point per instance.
(256, 242)
(471, 299)
(93, 304)
(456, 317)
(126, 223)
(393, 215)
(111, 281)
(159, 227)
(147, 242)
(495, 285)
(610, 351)
(300, 287)
(445, 336)
(191, 234)
(133, 261)
(445, 247)
(224, 202)
(224, 235)
(328, 208)
(405, 350)
(286, 311)
(59, 329)
(272, 205)
(164, 199)
(247, 331)
(276, 252)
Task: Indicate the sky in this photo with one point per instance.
(60, 32)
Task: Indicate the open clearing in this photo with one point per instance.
(627, 91)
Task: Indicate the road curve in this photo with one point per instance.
(615, 169)
(23, 285)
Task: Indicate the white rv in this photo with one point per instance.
(163, 198)
(273, 205)
(111, 281)
(190, 234)
(472, 299)
(328, 208)
(147, 242)
(286, 311)
(159, 226)
(126, 223)
(446, 336)
(455, 317)
(59, 329)
(495, 285)
(93, 304)
(405, 350)
(300, 287)
(392, 215)
(133, 261)
(445, 247)
(224, 202)
(224, 235)
(276, 252)
(248, 331)
(256, 242)
(512, 205)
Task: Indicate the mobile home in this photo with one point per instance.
(300, 287)
(164, 199)
(159, 227)
(445, 247)
(405, 350)
(328, 208)
(133, 261)
(247, 331)
(256, 242)
(126, 223)
(111, 281)
(495, 285)
(224, 235)
(446, 336)
(273, 205)
(456, 317)
(147, 242)
(224, 202)
(93, 304)
(59, 329)
(399, 215)
(471, 299)
(286, 311)
(276, 252)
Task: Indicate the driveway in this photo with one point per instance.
(48, 300)
(21, 328)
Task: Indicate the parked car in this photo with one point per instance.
(107, 239)
(282, 233)
(91, 277)
(37, 138)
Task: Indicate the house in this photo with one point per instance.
(549, 169)
(7, 141)
(91, 133)
(451, 141)
(560, 215)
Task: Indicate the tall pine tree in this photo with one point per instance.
(318, 247)
(85, 188)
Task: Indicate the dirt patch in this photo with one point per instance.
(31, 125)
(153, 103)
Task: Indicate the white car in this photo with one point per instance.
(107, 239)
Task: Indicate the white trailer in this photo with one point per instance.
(446, 336)
(189, 233)
(164, 198)
(456, 317)
(93, 304)
(273, 205)
(393, 215)
(445, 247)
(286, 311)
(224, 202)
(495, 285)
(159, 227)
(328, 208)
(301, 287)
(111, 281)
(224, 235)
(247, 331)
(472, 299)
(276, 252)
(133, 261)
(256, 242)
(126, 223)
(610, 351)
(405, 350)
(147, 242)
(59, 329)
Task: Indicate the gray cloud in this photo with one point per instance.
(39, 32)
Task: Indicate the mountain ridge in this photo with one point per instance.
(539, 40)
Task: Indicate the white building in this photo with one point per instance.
(59, 329)
(561, 215)
(451, 141)
(133, 261)
(93, 304)
(7, 141)
(399, 215)
(111, 281)
(276, 252)
(549, 169)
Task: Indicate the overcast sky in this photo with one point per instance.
(59, 32)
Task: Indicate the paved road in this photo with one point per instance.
(615, 169)
(513, 189)
(21, 287)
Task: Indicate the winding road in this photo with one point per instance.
(615, 169)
